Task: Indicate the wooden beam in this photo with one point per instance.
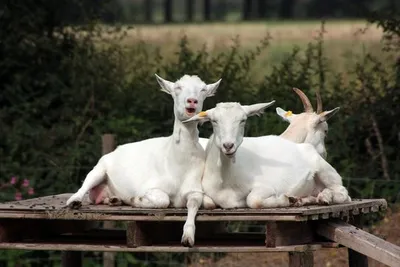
(288, 233)
(360, 241)
(301, 259)
(137, 235)
(175, 248)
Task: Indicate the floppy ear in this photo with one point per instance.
(212, 88)
(256, 109)
(166, 86)
(285, 115)
(201, 117)
(326, 115)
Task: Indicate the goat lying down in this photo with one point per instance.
(308, 127)
(265, 172)
(158, 172)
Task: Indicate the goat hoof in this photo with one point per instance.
(187, 242)
(114, 201)
(323, 202)
(74, 205)
(294, 201)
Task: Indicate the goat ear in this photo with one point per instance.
(201, 117)
(285, 115)
(326, 115)
(166, 86)
(212, 88)
(256, 109)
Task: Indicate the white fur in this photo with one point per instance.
(265, 170)
(311, 128)
(160, 172)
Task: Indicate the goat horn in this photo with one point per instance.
(319, 103)
(306, 102)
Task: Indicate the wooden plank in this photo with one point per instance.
(57, 202)
(137, 234)
(165, 248)
(360, 241)
(150, 217)
(270, 234)
(301, 259)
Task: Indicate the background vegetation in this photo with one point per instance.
(66, 78)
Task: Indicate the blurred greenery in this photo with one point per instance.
(61, 90)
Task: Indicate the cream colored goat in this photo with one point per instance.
(260, 172)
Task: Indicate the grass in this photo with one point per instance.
(343, 39)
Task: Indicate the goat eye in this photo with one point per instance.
(213, 121)
(242, 121)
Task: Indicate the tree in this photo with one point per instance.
(168, 10)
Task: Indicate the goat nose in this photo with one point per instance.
(228, 146)
(192, 101)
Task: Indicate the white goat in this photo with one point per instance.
(160, 172)
(266, 170)
(307, 127)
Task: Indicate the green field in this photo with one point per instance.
(342, 39)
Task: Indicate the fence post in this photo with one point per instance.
(108, 145)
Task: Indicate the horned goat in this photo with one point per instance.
(164, 171)
(266, 171)
(309, 126)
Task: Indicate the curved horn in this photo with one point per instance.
(319, 102)
(306, 102)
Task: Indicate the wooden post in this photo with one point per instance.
(301, 259)
(356, 259)
(108, 145)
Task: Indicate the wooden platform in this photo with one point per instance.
(53, 207)
(46, 223)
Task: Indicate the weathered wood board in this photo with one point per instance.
(361, 241)
(164, 248)
(53, 207)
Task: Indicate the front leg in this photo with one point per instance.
(194, 200)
